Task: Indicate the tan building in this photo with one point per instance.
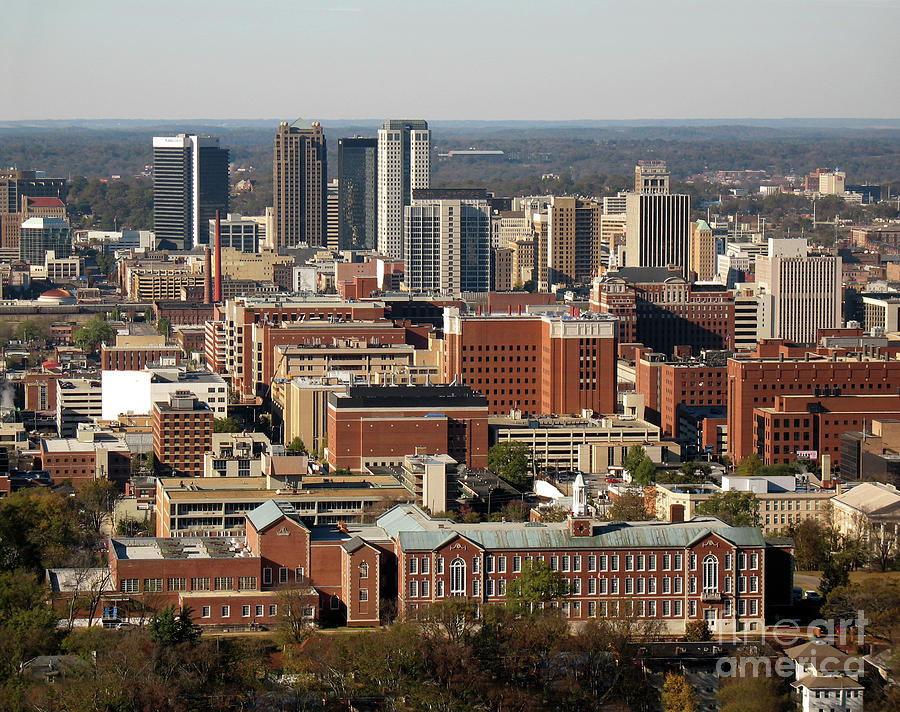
(703, 251)
(163, 282)
(612, 231)
(10, 223)
(299, 185)
(777, 511)
(523, 258)
(257, 267)
(503, 276)
(573, 240)
(305, 410)
(236, 455)
(869, 511)
(586, 444)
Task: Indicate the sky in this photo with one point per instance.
(450, 59)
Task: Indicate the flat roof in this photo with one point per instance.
(134, 548)
(75, 445)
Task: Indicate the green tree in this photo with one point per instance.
(835, 573)
(93, 333)
(643, 474)
(148, 315)
(739, 509)
(297, 447)
(33, 329)
(163, 326)
(169, 629)
(635, 456)
(697, 631)
(677, 694)
(38, 529)
(536, 584)
(510, 460)
(750, 465)
(28, 625)
(225, 425)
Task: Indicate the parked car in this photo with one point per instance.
(813, 596)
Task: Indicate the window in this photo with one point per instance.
(153, 585)
(423, 588)
(226, 611)
(710, 574)
(245, 611)
(651, 562)
(603, 563)
(592, 586)
(754, 559)
(651, 585)
(727, 583)
(629, 562)
(592, 609)
(576, 562)
(363, 570)
(592, 562)
(666, 562)
(666, 584)
(651, 608)
(267, 576)
(413, 588)
(224, 583)
(742, 584)
(554, 563)
(728, 562)
(424, 565)
(259, 611)
(614, 586)
(205, 612)
(200, 584)
(576, 586)
(246, 583)
(457, 577)
(742, 561)
(413, 565)
(363, 595)
(629, 586)
(489, 587)
(742, 607)
(754, 584)
(676, 608)
(639, 585)
(692, 608)
(476, 587)
(693, 562)
(177, 584)
(666, 608)
(640, 562)
(692, 584)
(283, 575)
(614, 562)
(273, 610)
(439, 565)
(501, 564)
(517, 564)
(129, 585)
(476, 564)
(565, 563)
(676, 562)
(676, 584)
(753, 607)
(439, 589)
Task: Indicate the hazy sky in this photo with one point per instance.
(455, 59)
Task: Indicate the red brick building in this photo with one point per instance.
(674, 573)
(755, 382)
(182, 433)
(533, 363)
(80, 461)
(677, 389)
(815, 423)
(136, 358)
(380, 425)
(661, 310)
(40, 391)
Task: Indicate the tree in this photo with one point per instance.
(95, 332)
(627, 507)
(510, 460)
(33, 329)
(697, 631)
(38, 529)
(536, 584)
(634, 458)
(27, 622)
(148, 315)
(750, 465)
(878, 598)
(677, 694)
(297, 447)
(454, 619)
(739, 509)
(553, 513)
(225, 425)
(835, 573)
(296, 625)
(643, 474)
(96, 500)
(163, 326)
(810, 545)
(169, 629)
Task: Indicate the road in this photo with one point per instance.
(808, 581)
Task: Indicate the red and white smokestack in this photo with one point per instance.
(218, 290)
(207, 276)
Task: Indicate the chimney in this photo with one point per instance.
(218, 291)
(207, 276)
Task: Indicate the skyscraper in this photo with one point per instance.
(403, 166)
(358, 192)
(448, 241)
(573, 240)
(799, 293)
(657, 232)
(300, 172)
(190, 183)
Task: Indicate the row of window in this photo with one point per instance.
(225, 611)
(200, 583)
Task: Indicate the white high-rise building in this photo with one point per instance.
(447, 238)
(799, 293)
(404, 148)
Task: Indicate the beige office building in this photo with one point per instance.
(703, 251)
(299, 174)
(573, 240)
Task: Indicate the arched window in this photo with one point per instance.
(363, 570)
(457, 577)
(710, 574)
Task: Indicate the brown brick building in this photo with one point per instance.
(80, 461)
(660, 309)
(136, 358)
(379, 425)
(182, 433)
(532, 363)
(815, 423)
(755, 382)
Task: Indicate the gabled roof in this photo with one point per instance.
(816, 650)
(870, 497)
(429, 541)
(270, 512)
(827, 682)
(355, 544)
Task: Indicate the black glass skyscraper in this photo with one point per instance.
(358, 192)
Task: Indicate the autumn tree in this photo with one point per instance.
(677, 694)
(811, 548)
(96, 499)
(627, 507)
(697, 631)
(537, 584)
